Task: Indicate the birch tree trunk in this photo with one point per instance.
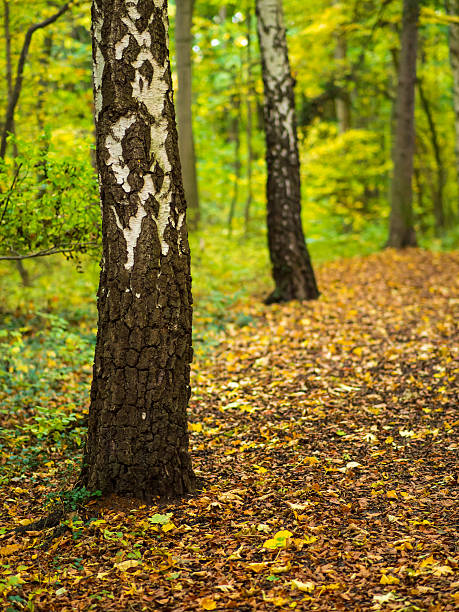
(137, 443)
(183, 22)
(401, 230)
(452, 8)
(291, 266)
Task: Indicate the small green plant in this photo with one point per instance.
(71, 500)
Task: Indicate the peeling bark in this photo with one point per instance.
(401, 230)
(291, 266)
(137, 441)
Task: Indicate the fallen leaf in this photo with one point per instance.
(307, 587)
(208, 603)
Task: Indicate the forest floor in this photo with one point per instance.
(324, 436)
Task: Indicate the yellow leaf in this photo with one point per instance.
(280, 569)
(194, 426)
(306, 587)
(389, 579)
(125, 565)
(392, 494)
(429, 561)
(168, 526)
(279, 601)
(280, 540)
(207, 603)
(260, 469)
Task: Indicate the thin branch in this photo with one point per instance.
(10, 191)
(13, 99)
(71, 248)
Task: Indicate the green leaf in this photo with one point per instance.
(160, 519)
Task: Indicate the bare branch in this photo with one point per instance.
(13, 99)
(70, 248)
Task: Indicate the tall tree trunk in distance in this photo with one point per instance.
(183, 43)
(291, 266)
(137, 444)
(236, 138)
(440, 178)
(9, 65)
(20, 267)
(250, 96)
(401, 229)
(452, 8)
(343, 102)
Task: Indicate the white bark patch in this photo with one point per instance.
(98, 66)
(131, 233)
(163, 198)
(121, 46)
(152, 95)
(277, 66)
(115, 150)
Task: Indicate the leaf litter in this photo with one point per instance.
(324, 438)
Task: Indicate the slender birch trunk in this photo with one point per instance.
(236, 138)
(452, 8)
(401, 229)
(342, 103)
(249, 126)
(291, 266)
(137, 443)
(183, 43)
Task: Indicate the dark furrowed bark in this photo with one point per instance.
(137, 441)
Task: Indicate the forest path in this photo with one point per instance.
(324, 436)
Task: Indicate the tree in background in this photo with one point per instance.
(183, 42)
(291, 265)
(401, 229)
(137, 441)
(452, 7)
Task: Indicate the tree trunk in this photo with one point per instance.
(452, 8)
(9, 65)
(137, 443)
(249, 126)
(236, 138)
(440, 178)
(342, 102)
(401, 230)
(291, 266)
(183, 22)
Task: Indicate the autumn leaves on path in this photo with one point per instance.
(324, 438)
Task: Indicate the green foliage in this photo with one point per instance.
(71, 500)
(62, 189)
(345, 175)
